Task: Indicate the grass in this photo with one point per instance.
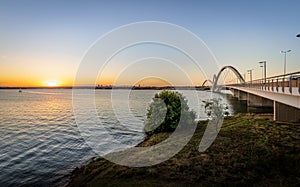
(248, 151)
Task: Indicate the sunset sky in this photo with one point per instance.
(43, 42)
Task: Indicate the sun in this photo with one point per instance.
(52, 83)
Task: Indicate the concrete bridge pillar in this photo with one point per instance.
(285, 113)
(257, 101)
(242, 96)
(235, 92)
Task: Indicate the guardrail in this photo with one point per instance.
(287, 84)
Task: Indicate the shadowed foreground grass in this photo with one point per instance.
(247, 151)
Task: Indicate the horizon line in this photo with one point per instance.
(97, 87)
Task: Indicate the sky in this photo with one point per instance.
(42, 43)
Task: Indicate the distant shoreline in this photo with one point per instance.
(115, 87)
(36, 87)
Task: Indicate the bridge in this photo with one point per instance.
(282, 92)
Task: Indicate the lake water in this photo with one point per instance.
(40, 143)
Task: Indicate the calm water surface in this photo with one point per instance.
(40, 143)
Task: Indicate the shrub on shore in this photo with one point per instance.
(167, 109)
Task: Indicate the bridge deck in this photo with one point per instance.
(291, 99)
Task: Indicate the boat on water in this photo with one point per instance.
(20, 90)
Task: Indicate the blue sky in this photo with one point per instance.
(47, 39)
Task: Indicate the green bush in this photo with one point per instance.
(165, 112)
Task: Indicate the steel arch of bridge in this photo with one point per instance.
(207, 80)
(233, 69)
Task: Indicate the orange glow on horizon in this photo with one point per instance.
(153, 82)
(52, 83)
(62, 81)
(35, 83)
(149, 81)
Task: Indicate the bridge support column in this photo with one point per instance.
(285, 113)
(257, 101)
(235, 92)
(242, 96)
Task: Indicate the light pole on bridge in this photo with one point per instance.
(262, 73)
(265, 70)
(250, 72)
(284, 52)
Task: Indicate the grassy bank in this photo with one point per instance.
(248, 150)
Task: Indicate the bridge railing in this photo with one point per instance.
(286, 84)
